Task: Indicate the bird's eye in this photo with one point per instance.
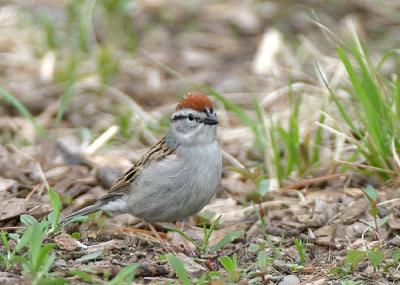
(190, 117)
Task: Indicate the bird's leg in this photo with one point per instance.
(180, 225)
(189, 248)
(157, 236)
(167, 247)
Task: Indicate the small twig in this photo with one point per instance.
(11, 228)
(353, 164)
(33, 209)
(28, 197)
(388, 202)
(101, 140)
(363, 235)
(232, 160)
(313, 181)
(376, 226)
(334, 131)
(395, 155)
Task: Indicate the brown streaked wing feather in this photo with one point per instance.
(157, 152)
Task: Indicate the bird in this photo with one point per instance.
(177, 176)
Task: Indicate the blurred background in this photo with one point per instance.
(82, 66)
(303, 89)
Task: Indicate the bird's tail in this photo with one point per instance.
(83, 211)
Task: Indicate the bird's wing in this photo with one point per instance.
(157, 152)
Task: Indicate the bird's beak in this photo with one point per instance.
(211, 119)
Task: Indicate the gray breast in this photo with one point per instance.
(178, 186)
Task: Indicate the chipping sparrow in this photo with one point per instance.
(177, 176)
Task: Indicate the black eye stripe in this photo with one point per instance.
(191, 117)
(179, 117)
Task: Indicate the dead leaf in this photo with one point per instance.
(7, 184)
(393, 221)
(66, 242)
(322, 212)
(105, 246)
(12, 208)
(325, 235)
(221, 233)
(192, 268)
(8, 278)
(355, 230)
(236, 185)
(353, 211)
(353, 192)
(281, 266)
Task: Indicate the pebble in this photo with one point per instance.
(193, 269)
(289, 280)
(60, 263)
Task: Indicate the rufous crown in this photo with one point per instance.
(195, 100)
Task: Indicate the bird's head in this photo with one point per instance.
(194, 120)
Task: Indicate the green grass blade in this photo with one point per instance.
(227, 263)
(342, 110)
(227, 239)
(375, 95)
(35, 244)
(65, 99)
(56, 205)
(372, 121)
(22, 110)
(24, 240)
(317, 141)
(44, 259)
(397, 99)
(286, 139)
(386, 56)
(125, 276)
(4, 241)
(28, 220)
(179, 268)
(276, 153)
(50, 30)
(208, 232)
(183, 234)
(90, 256)
(261, 135)
(85, 24)
(46, 266)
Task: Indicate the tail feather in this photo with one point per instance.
(83, 211)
